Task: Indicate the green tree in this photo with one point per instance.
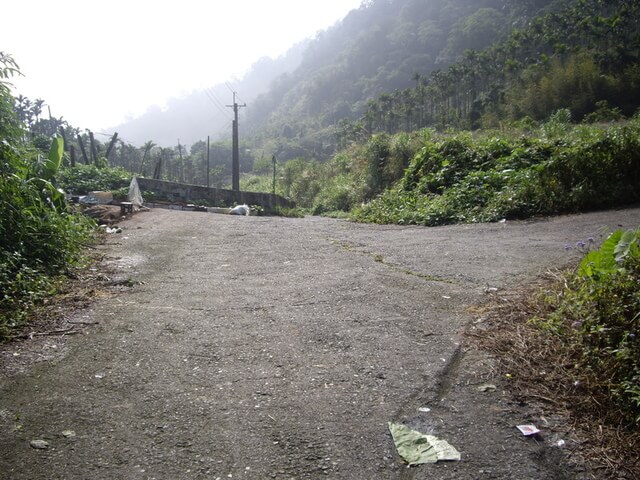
(476, 31)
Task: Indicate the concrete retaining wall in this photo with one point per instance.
(180, 192)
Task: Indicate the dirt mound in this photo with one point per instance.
(105, 214)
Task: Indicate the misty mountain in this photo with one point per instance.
(377, 48)
(393, 65)
(400, 66)
(381, 47)
(194, 116)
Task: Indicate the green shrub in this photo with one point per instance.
(462, 178)
(338, 194)
(39, 241)
(558, 124)
(599, 314)
(22, 287)
(82, 179)
(256, 183)
(604, 113)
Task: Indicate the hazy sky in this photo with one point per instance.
(97, 63)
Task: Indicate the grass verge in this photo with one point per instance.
(555, 368)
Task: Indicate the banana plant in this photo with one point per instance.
(43, 174)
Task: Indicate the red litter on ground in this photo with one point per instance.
(528, 430)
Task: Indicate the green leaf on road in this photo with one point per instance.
(417, 448)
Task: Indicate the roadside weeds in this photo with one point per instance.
(538, 368)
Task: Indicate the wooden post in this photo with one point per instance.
(123, 157)
(94, 150)
(72, 152)
(273, 159)
(111, 144)
(83, 150)
(64, 138)
(158, 170)
(181, 167)
(235, 156)
(235, 152)
(147, 148)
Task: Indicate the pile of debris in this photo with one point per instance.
(103, 207)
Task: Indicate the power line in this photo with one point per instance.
(213, 102)
(235, 93)
(119, 137)
(218, 133)
(216, 103)
(215, 97)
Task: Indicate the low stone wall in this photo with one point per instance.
(180, 192)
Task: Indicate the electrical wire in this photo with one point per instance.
(216, 103)
(232, 90)
(119, 138)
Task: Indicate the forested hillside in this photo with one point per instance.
(385, 46)
(583, 56)
(397, 65)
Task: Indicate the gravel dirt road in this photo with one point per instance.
(263, 347)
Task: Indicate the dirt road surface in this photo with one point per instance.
(257, 348)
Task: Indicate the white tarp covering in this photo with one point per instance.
(134, 196)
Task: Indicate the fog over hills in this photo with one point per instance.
(192, 117)
(399, 64)
(377, 48)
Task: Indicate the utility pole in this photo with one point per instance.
(208, 163)
(235, 160)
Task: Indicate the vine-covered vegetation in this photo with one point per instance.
(87, 178)
(431, 178)
(465, 178)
